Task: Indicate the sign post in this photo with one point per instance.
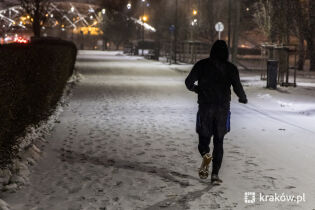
(219, 27)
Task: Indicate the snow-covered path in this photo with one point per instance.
(126, 141)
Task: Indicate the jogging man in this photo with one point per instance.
(214, 76)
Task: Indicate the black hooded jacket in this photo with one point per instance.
(215, 76)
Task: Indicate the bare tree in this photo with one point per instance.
(275, 18)
(3, 28)
(304, 19)
(262, 16)
(37, 10)
(117, 28)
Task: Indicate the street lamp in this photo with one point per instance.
(194, 23)
(195, 12)
(144, 18)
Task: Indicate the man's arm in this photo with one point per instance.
(237, 86)
(192, 78)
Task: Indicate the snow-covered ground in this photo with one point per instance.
(126, 140)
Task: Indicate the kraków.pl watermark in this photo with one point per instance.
(254, 197)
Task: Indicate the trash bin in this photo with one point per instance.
(272, 73)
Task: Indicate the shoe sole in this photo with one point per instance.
(216, 182)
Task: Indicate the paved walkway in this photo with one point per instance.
(126, 140)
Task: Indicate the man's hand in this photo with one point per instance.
(243, 100)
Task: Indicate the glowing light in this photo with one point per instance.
(145, 25)
(20, 40)
(91, 17)
(7, 39)
(129, 6)
(103, 11)
(195, 12)
(52, 15)
(72, 9)
(145, 18)
(88, 30)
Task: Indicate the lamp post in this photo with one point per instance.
(175, 38)
(144, 19)
(193, 25)
(103, 29)
(193, 50)
(143, 6)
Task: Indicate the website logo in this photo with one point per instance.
(250, 197)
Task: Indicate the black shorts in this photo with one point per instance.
(213, 120)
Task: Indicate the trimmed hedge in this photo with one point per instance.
(32, 80)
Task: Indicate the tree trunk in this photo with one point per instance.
(310, 43)
(229, 23)
(301, 53)
(211, 20)
(36, 27)
(299, 22)
(117, 45)
(275, 27)
(311, 52)
(36, 19)
(236, 24)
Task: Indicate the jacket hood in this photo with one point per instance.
(219, 51)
